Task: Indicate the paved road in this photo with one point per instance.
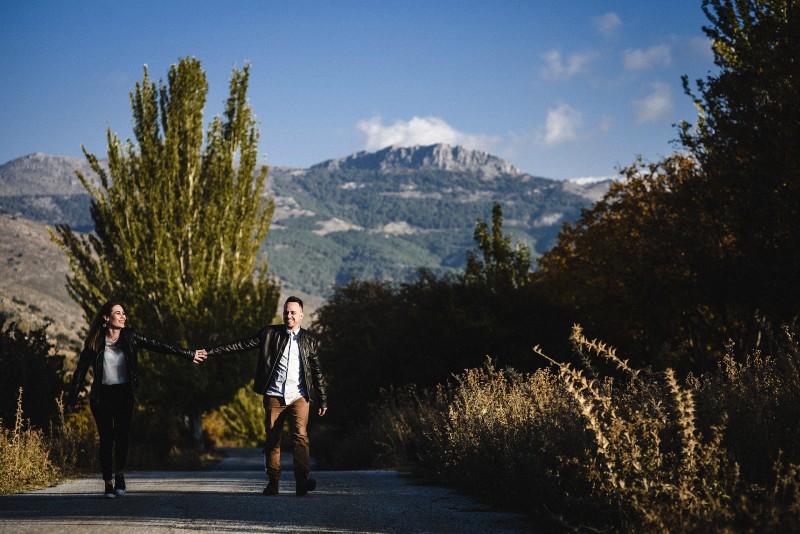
(228, 499)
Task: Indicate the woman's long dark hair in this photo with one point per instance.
(95, 339)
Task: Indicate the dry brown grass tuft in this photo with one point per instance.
(24, 458)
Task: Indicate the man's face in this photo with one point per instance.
(292, 315)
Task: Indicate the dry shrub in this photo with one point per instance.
(512, 439)
(24, 459)
(651, 465)
(394, 426)
(761, 398)
(509, 437)
(638, 451)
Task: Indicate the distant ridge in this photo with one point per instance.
(43, 174)
(370, 215)
(433, 157)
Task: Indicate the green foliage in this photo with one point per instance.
(244, 418)
(440, 209)
(746, 140)
(178, 225)
(629, 266)
(27, 363)
(375, 335)
(502, 266)
(686, 250)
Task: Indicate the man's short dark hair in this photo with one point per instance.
(293, 299)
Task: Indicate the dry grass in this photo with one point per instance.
(24, 458)
(635, 452)
(652, 465)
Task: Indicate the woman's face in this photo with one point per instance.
(117, 317)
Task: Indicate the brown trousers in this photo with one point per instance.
(277, 412)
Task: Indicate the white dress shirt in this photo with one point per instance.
(289, 381)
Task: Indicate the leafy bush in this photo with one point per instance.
(27, 363)
(73, 441)
(244, 417)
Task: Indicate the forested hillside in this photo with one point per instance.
(380, 215)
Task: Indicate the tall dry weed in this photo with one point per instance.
(652, 464)
(24, 458)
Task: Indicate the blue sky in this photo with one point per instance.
(561, 89)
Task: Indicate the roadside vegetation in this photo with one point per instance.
(641, 376)
(630, 450)
(687, 267)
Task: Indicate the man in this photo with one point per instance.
(289, 376)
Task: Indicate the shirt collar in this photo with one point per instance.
(293, 332)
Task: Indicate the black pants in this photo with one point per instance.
(112, 413)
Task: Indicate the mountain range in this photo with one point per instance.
(370, 215)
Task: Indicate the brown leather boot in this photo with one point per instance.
(304, 485)
(272, 486)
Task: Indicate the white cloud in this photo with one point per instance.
(548, 220)
(657, 56)
(654, 106)
(419, 131)
(556, 69)
(607, 24)
(605, 124)
(700, 47)
(562, 125)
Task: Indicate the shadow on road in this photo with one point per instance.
(228, 499)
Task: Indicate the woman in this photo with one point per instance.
(110, 349)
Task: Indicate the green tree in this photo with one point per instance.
(628, 268)
(686, 250)
(28, 362)
(178, 225)
(746, 140)
(502, 265)
(244, 417)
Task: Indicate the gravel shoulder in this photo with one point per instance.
(228, 499)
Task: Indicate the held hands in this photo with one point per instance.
(199, 355)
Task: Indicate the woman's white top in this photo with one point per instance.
(115, 371)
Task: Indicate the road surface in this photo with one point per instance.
(228, 499)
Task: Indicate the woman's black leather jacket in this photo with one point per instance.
(270, 342)
(131, 342)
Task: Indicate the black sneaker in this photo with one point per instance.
(119, 484)
(108, 493)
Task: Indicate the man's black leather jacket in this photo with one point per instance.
(131, 342)
(270, 342)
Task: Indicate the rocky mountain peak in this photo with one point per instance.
(442, 157)
(43, 174)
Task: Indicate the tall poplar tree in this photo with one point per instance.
(178, 226)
